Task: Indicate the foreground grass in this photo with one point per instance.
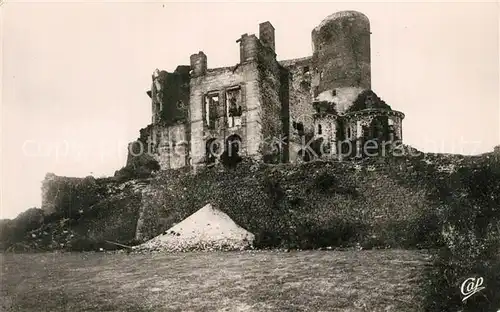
(385, 280)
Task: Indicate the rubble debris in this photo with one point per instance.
(208, 229)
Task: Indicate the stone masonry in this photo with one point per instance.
(272, 110)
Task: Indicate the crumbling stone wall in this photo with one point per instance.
(272, 135)
(141, 157)
(372, 125)
(171, 146)
(257, 77)
(301, 111)
(108, 212)
(170, 95)
(218, 81)
(69, 196)
(141, 145)
(51, 187)
(115, 217)
(326, 130)
(166, 145)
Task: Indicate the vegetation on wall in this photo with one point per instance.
(470, 219)
(314, 205)
(368, 100)
(112, 218)
(69, 197)
(138, 167)
(270, 94)
(140, 163)
(175, 97)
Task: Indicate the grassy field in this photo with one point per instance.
(384, 280)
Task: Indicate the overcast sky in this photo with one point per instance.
(75, 75)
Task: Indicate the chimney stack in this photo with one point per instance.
(266, 35)
(248, 47)
(198, 64)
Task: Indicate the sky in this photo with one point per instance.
(75, 74)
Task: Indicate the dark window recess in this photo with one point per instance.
(231, 156)
(316, 91)
(299, 127)
(234, 109)
(305, 70)
(211, 103)
(306, 85)
(334, 92)
(320, 130)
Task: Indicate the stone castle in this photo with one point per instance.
(272, 110)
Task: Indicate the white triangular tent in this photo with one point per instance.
(206, 229)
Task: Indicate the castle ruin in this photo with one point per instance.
(272, 110)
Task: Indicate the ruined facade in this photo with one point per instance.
(272, 110)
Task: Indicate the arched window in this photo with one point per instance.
(233, 145)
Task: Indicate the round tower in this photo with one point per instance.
(341, 51)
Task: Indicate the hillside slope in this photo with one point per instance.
(384, 202)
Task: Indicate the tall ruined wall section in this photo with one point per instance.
(217, 82)
(170, 95)
(165, 140)
(271, 102)
(250, 59)
(255, 83)
(301, 110)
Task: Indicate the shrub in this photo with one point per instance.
(138, 167)
(15, 231)
(230, 161)
(471, 232)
